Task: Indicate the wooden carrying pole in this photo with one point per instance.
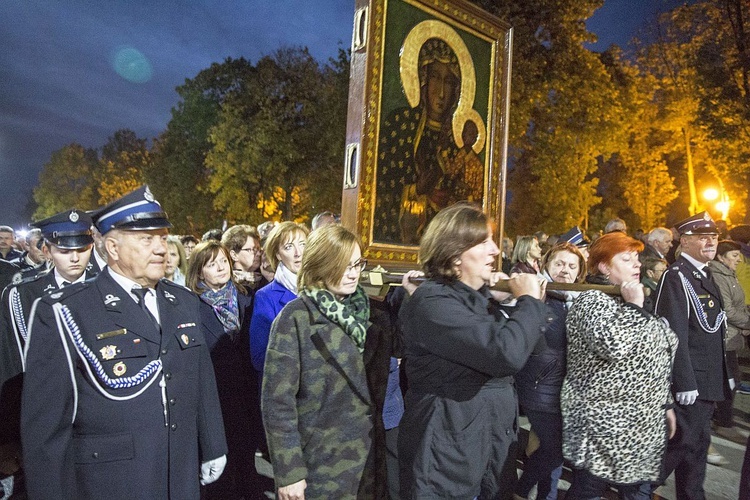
(380, 278)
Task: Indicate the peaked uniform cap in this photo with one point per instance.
(701, 223)
(575, 236)
(68, 230)
(136, 211)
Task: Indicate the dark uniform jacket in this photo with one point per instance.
(17, 301)
(699, 363)
(322, 402)
(83, 438)
(460, 418)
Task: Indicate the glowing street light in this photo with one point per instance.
(711, 194)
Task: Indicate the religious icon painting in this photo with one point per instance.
(427, 120)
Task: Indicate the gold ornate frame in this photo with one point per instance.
(454, 21)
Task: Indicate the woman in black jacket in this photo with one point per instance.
(226, 310)
(457, 437)
(539, 382)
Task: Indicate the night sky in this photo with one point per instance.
(77, 71)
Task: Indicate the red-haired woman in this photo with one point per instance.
(616, 394)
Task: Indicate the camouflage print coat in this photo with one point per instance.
(322, 403)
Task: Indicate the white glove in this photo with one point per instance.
(211, 470)
(731, 384)
(687, 398)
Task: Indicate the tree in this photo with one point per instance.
(700, 63)
(124, 160)
(179, 176)
(67, 181)
(275, 145)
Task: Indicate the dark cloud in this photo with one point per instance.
(58, 84)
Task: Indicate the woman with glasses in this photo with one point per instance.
(325, 377)
(243, 244)
(283, 249)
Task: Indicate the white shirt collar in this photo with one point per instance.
(127, 284)
(698, 265)
(59, 279)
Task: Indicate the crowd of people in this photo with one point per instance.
(138, 364)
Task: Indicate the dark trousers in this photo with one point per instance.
(686, 452)
(586, 486)
(391, 462)
(541, 464)
(723, 414)
(745, 478)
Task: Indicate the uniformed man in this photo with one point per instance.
(689, 299)
(66, 244)
(64, 240)
(119, 398)
(33, 258)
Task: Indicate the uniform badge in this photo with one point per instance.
(119, 369)
(110, 299)
(17, 278)
(185, 339)
(113, 333)
(73, 216)
(185, 325)
(108, 352)
(710, 303)
(147, 194)
(56, 295)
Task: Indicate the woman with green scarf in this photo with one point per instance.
(325, 376)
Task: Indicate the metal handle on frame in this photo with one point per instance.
(359, 37)
(351, 166)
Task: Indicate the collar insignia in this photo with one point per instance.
(110, 299)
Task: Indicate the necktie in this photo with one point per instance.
(707, 271)
(65, 283)
(141, 294)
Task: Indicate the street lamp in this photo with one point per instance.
(723, 204)
(710, 194)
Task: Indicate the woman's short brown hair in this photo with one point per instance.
(449, 234)
(565, 246)
(326, 256)
(607, 246)
(235, 237)
(205, 252)
(278, 236)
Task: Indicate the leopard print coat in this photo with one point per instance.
(616, 388)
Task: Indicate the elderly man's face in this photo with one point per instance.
(701, 247)
(35, 252)
(138, 255)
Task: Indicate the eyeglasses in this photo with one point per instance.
(360, 266)
(251, 250)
